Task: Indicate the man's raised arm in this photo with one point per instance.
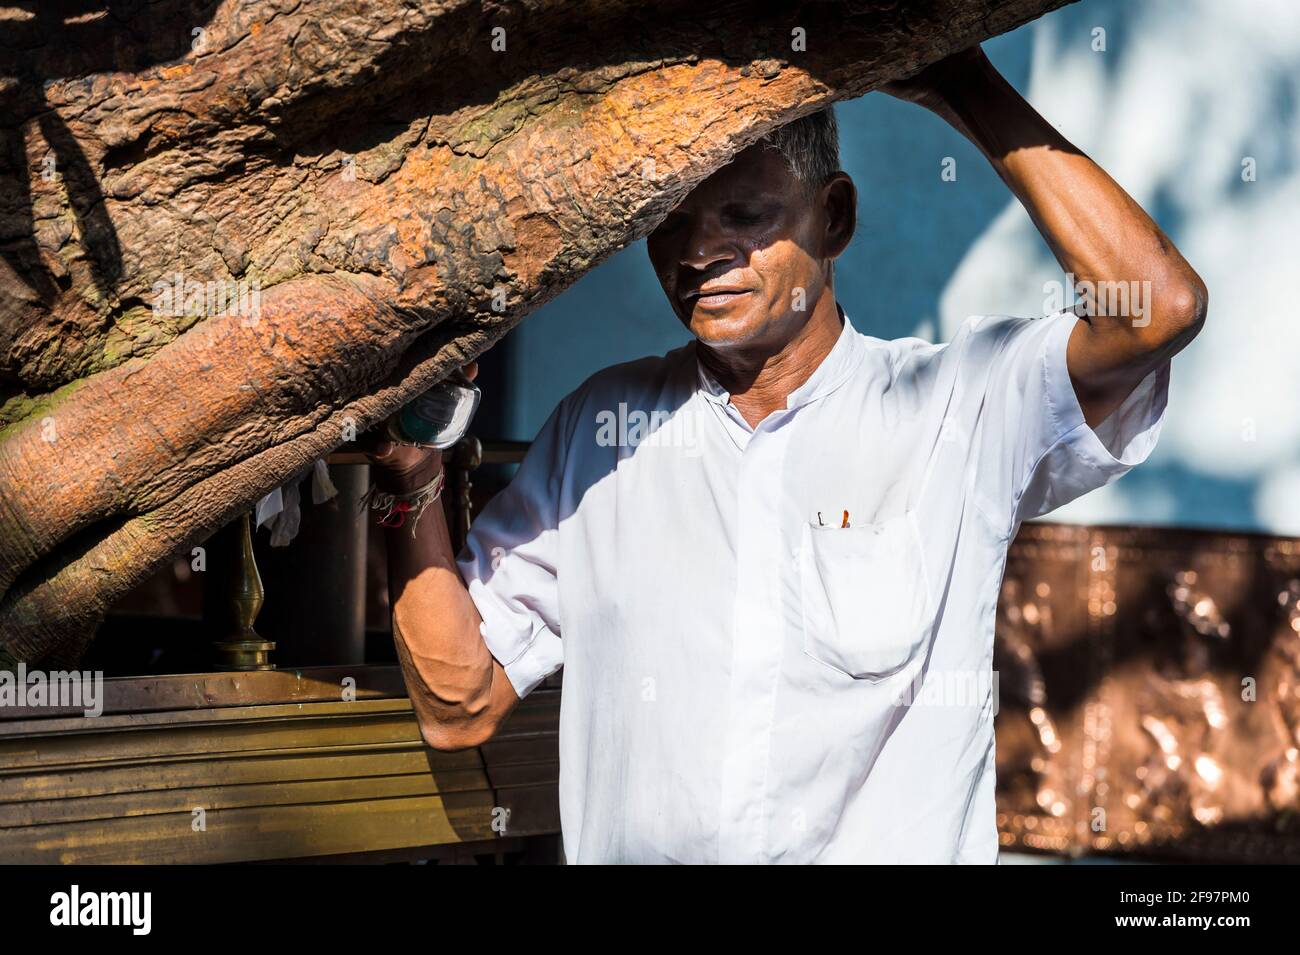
(1096, 231)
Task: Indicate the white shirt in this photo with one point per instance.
(746, 680)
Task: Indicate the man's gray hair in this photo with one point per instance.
(810, 146)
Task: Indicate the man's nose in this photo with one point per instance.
(705, 246)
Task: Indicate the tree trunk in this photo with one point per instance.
(389, 185)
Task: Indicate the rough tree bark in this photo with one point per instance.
(402, 180)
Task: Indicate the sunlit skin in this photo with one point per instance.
(745, 261)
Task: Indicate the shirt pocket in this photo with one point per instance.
(866, 596)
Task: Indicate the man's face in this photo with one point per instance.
(745, 257)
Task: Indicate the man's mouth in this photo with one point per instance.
(714, 297)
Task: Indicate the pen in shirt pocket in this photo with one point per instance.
(844, 521)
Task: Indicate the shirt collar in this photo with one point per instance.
(833, 371)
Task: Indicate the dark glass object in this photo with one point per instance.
(439, 417)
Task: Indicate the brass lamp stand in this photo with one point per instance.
(243, 649)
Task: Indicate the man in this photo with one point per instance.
(763, 557)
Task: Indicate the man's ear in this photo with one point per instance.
(839, 199)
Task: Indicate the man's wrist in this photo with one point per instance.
(964, 90)
(406, 480)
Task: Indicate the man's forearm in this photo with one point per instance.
(459, 692)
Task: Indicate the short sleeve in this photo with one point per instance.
(509, 564)
(1037, 452)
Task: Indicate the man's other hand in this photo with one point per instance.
(401, 467)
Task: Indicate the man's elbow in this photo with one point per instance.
(449, 736)
(1182, 308)
(459, 719)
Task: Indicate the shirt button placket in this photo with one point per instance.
(755, 655)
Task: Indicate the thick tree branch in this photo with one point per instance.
(400, 190)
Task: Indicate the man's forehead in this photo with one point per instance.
(757, 172)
